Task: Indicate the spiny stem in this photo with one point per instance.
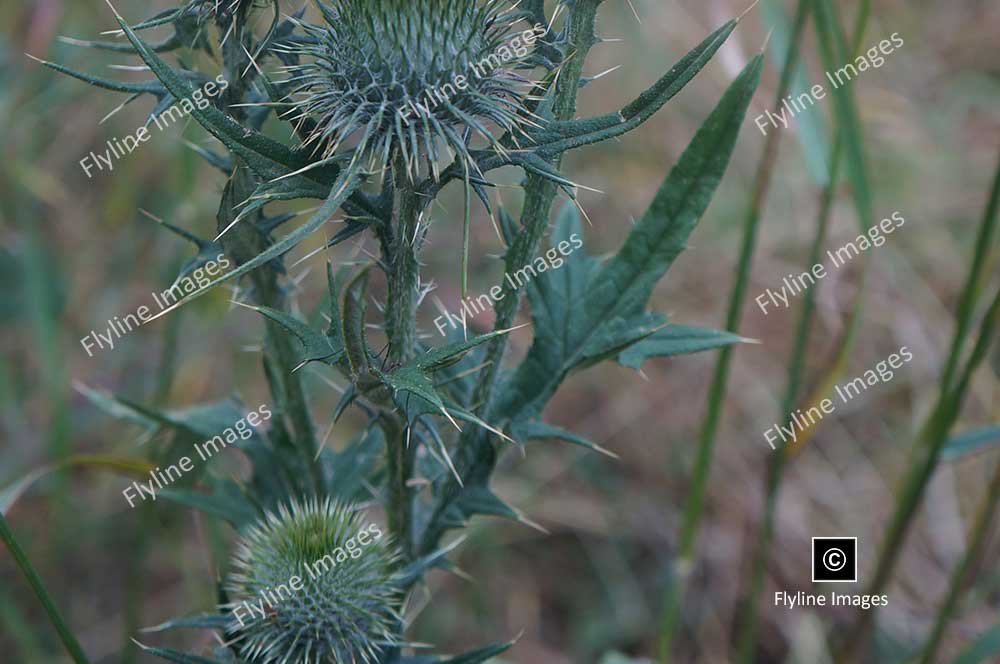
(696, 495)
(399, 253)
(475, 455)
(244, 242)
(67, 637)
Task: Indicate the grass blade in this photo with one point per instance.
(65, 634)
(931, 440)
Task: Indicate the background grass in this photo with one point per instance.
(76, 252)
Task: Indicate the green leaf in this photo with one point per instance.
(202, 621)
(587, 311)
(554, 138)
(676, 340)
(810, 128)
(349, 474)
(444, 356)
(473, 500)
(558, 137)
(836, 53)
(266, 157)
(176, 656)
(269, 159)
(481, 655)
(226, 501)
(540, 430)
(316, 346)
(348, 181)
(970, 441)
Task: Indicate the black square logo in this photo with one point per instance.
(834, 559)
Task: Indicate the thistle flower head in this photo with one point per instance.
(324, 581)
(409, 79)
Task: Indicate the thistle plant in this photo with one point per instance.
(353, 81)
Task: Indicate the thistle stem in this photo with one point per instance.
(399, 253)
(475, 455)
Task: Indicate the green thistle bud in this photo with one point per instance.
(410, 79)
(310, 583)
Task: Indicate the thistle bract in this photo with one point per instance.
(413, 79)
(222, 11)
(313, 583)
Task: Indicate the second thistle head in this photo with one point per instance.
(312, 584)
(410, 80)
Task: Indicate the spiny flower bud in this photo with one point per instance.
(409, 79)
(312, 584)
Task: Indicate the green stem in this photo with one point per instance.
(980, 529)
(695, 503)
(475, 455)
(970, 293)
(244, 241)
(72, 645)
(399, 253)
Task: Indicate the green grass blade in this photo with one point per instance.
(68, 639)
(932, 438)
(970, 293)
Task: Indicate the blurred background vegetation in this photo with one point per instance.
(77, 252)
